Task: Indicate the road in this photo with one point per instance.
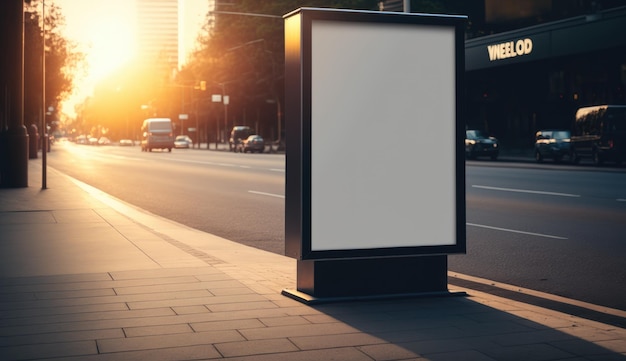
(560, 231)
(556, 229)
(232, 195)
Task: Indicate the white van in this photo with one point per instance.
(157, 133)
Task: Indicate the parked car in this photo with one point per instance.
(599, 134)
(253, 143)
(552, 143)
(126, 143)
(479, 144)
(237, 135)
(104, 141)
(81, 139)
(182, 141)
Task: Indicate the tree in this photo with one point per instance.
(115, 109)
(243, 56)
(63, 61)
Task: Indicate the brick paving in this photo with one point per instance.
(86, 277)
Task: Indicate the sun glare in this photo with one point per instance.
(105, 31)
(111, 45)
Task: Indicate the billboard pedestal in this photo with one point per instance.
(363, 224)
(370, 278)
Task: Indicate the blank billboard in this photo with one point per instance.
(379, 172)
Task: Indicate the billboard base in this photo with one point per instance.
(312, 300)
(320, 281)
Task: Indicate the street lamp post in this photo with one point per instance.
(201, 87)
(225, 100)
(271, 86)
(406, 9)
(44, 128)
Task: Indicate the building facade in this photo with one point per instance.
(532, 78)
(531, 63)
(157, 32)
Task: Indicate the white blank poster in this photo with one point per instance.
(383, 123)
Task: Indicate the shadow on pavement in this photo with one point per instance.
(459, 328)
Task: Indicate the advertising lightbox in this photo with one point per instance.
(374, 134)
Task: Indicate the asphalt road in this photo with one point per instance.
(560, 231)
(233, 195)
(552, 228)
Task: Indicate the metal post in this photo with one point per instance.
(217, 133)
(407, 6)
(182, 110)
(225, 99)
(225, 103)
(44, 128)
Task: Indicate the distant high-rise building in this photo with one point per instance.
(192, 20)
(157, 32)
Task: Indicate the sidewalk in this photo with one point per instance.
(84, 276)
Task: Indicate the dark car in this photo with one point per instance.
(479, 144)
(553, 144)
(599, 134)
(237, 135)
(253, 143)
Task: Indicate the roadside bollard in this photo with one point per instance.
(33, 141)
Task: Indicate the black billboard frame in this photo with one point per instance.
(298, 69)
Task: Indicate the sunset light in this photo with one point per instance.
(111, 44)
(106, 32)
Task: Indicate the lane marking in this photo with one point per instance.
(227, 165)
(515, 231)
(277, 170)
(621, 199)
(192, 161)
(267, 194)
(527, 191)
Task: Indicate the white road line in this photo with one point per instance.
(516, 231)
(267, 194)
(621, 199)
(228, 165)
(192, 161)
(204, 163)
(277, 170)
(527, 191)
